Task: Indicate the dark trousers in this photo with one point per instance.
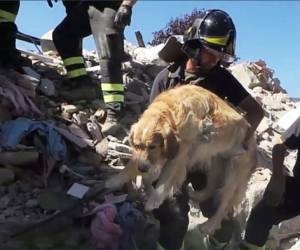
(174, 220)
(69, 5)
(8, 27)
(83, 20)
(263, 217)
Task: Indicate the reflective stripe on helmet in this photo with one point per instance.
(217, 40)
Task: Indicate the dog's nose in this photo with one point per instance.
(144, 167)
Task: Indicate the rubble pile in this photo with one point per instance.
(54, 157)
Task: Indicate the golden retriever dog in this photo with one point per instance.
(185, 129)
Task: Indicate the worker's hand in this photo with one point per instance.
(123, 16)
(274, 193)
(50, 3)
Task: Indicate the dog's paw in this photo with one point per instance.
(154, 201)
(115, 182)
(210, 226)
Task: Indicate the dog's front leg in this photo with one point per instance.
(129, 173)
(170, 181)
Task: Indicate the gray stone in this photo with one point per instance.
(50, 200)
(47, 87)
(31, 72)
(47, 42)
(6, 176)
(69, 108)
(4, 201)
(102, 147)
(31, 203)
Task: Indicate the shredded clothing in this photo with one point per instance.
(105, 232)
(12, 133)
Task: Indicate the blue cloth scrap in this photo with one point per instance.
(12, 132)
(131, 220)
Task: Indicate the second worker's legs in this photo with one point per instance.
(110, 47)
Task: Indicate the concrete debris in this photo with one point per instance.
(19, 158)
(47, 87)
(47, 42)
(6, 176)
(89, 158)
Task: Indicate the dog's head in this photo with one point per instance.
(153, 142)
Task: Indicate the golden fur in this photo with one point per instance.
(189, 128)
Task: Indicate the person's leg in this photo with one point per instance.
(263, 217)
(110, 47)
(174, 220)
(9, 55)
(70, 5)
(8, 28)
(67, 37)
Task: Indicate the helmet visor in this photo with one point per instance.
(193, 49)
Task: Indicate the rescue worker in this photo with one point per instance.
(281, 199)
(106, 20)
(10, 57)
(209, 44)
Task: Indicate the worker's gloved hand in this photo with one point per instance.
(123, 16)
(50, 3)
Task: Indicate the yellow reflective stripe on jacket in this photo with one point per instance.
(6, 16)
(73, 60)
(113, 98)
(76, 72)
(112, 87)
(217, 40)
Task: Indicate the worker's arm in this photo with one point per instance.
(276, 187)
(254, 114)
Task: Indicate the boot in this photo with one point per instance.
(10, 57)
(77, 90)
(16, 61)
(247, 246)
(112, 124)
(159, 247)
(210, 243)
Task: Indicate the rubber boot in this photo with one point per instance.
(10, 57)
(210, 243)
(247, 246)
(112, 124)
(79, 89)
(159, 247)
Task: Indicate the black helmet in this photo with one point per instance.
(215, 30)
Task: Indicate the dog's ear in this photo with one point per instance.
(131, 135)
(171, 145)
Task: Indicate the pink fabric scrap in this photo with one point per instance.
(105, 232)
